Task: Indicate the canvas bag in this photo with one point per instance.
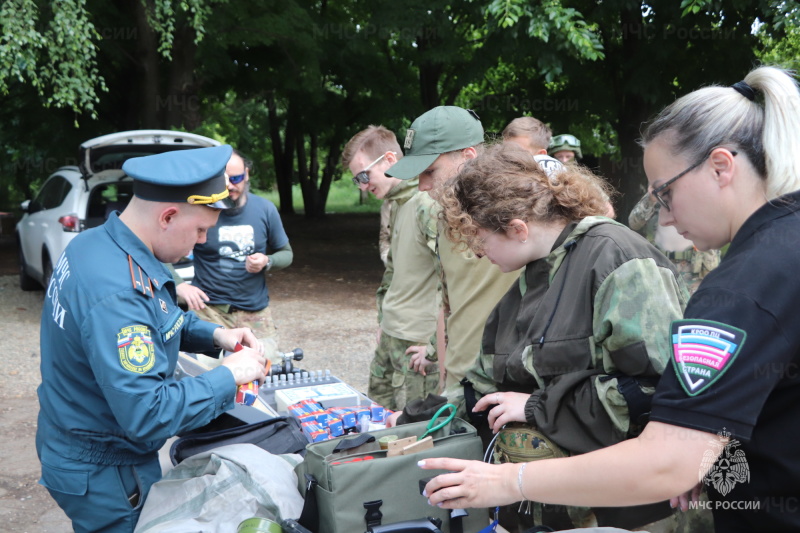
(343, 489)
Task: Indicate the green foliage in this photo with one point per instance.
(780, 38)
(60, 61)
(290, 82)
(20, 43)
(506, 12)
(552, 23)
(162, 15)
(693, 7)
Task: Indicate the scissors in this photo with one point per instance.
(430, 428)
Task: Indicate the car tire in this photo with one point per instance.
(26, 282)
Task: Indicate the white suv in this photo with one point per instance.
(76, 198)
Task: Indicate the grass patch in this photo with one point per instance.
(344, 197)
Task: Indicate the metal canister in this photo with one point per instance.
(259, 525)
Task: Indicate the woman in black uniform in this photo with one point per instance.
(724, 164)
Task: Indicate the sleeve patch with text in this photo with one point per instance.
(136, 351)
(702, 350)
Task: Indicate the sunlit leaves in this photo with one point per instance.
(693, 6)
(552, 23)
(162, 16)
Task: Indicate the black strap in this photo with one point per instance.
(353, 442)
(309, 518)
(456, 517)
(478, 418)
(373, 515)
(638, 402)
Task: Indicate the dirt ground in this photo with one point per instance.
(323, 303)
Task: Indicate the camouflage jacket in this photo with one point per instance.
(692, 264)
(586, 333)
(422, 224)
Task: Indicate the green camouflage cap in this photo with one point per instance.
(442, 129)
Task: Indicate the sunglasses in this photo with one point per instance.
(363, 176)
(237, 179)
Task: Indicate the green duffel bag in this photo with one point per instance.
(350, 474)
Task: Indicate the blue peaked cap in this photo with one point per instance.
(195, 176)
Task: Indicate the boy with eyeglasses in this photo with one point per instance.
(404, 368)
(231, 267)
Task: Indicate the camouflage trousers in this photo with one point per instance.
(693, 269)
(392, 383)
(260, 322)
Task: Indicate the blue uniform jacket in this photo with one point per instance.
(110, 336)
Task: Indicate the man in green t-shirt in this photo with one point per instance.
(436, 145)
(402, 369)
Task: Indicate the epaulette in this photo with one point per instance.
(140, 283)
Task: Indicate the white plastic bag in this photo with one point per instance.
(216, 490)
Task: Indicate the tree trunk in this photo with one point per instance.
(147, 63)
(318, 209)
(302, 176)
(628, 174)
(307, 175)
(282, 150)
(429, 72)
(183, 103)
(330, 170)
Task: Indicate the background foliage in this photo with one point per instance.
(289, 82)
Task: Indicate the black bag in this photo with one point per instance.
(277, 435)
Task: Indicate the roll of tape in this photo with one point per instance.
(384, 441)
(259, 525)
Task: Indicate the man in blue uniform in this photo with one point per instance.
(110, 336)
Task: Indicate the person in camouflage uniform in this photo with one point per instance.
(565, 365)
(403, 368)
(384, 234)
(437, 143)
(692, 264)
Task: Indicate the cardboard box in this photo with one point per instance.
(327, 394)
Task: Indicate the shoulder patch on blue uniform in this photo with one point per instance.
(136, 351)
(702, 350)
